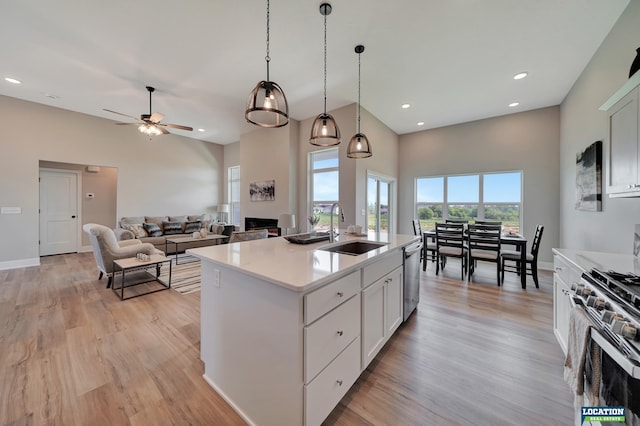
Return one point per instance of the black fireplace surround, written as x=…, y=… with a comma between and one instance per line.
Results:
x=251, y=223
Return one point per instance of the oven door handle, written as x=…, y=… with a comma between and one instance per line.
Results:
x=627, y=365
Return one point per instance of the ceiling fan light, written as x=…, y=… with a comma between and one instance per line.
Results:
x=359, y=147
x=267, y=106
x=324, y=131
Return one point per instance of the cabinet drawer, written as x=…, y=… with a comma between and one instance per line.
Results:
x=326, y=390
x=566, y=271
x=328, y=336
x=328, y=297
x=381, y=268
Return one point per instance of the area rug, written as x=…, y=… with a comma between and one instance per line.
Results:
x=185, y=278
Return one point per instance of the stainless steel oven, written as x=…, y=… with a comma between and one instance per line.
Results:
x=612, y=304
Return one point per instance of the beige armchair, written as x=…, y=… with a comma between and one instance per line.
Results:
x=106, y=248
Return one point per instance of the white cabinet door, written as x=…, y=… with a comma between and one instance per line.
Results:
x=394, y=299
x=373, y=320
x=623, y=145
x=382, y=305
x=561, y=310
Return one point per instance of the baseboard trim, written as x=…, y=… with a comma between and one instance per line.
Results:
x=20, y=263
x=545, y=266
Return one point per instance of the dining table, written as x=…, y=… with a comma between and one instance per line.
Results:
x=511, y=239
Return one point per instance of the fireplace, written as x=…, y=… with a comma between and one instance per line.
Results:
x=251, y=223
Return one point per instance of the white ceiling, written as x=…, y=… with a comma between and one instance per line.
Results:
x=452, y=60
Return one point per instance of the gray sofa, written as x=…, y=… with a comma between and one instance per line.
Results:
x=156, y=229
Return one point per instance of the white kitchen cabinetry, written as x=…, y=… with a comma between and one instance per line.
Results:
x=623, y=177
x=286, y=355
x=565, y=274
x=382, y=305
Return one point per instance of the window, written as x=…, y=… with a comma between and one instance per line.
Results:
x=234, y=195
x=484, y=196
x=463, y=194
x=430, y=201
x=324, y=184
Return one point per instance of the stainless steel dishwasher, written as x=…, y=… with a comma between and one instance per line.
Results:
x=411, y=273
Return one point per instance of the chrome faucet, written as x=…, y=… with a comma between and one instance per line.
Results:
x=333, y=206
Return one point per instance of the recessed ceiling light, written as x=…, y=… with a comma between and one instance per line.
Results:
x=514, y=104
x=420, y=123
x=201, y=130
x=520, y=75
x=13, y=80
x=405, y=106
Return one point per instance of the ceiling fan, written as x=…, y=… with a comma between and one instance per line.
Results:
x=151, y=123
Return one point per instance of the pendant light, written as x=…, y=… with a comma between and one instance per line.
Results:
x=359, y=146
x=325, y=131
x=267, y=105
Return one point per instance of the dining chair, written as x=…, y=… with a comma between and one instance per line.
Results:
x=417, y=231
x=457, y=221
x=531, y=266
x=450, y=242
x=484, y=245
x=429, y=248
x=488, y=222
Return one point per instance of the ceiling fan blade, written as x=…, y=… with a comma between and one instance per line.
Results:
x=126, y=124
x=156, y=117
x=177, y=126
x=119, y=113
x=163, y=130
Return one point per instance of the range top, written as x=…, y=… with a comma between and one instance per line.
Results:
x=624, y=286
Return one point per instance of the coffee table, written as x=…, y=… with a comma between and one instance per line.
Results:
x=209, y=240
x=138, y=273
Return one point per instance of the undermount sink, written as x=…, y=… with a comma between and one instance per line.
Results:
x=353, y=248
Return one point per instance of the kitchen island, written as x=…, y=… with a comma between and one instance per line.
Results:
x=287, y=329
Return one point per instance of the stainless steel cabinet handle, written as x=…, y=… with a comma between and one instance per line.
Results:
x=340, y=294
x=339, y=382
x=340, y=332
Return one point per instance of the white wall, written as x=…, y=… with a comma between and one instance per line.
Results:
x=266, y=154
x=170, y=174
x=527, y=141
x=581, y=124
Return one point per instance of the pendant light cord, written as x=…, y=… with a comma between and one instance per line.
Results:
x=325, y=64
x=358, y=92
x=267, y=58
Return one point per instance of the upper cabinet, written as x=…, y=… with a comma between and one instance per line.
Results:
x=623, y=171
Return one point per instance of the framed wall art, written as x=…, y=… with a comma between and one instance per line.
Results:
x=589, y=178
x=262, y=191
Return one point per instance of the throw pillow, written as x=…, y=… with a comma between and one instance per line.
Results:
x=171, y=228
x=137, y=229
x=152, y=229
x=156, y=219
x=194, y=226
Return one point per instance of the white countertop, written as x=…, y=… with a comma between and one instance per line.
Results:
x=586, y=260
x=297, y=267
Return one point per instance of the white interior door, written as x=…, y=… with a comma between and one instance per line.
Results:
x=58, y=212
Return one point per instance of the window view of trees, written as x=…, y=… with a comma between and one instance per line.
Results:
x=325, y=186
x=488, y=196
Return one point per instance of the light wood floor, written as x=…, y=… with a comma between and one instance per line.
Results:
x=71, y=353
